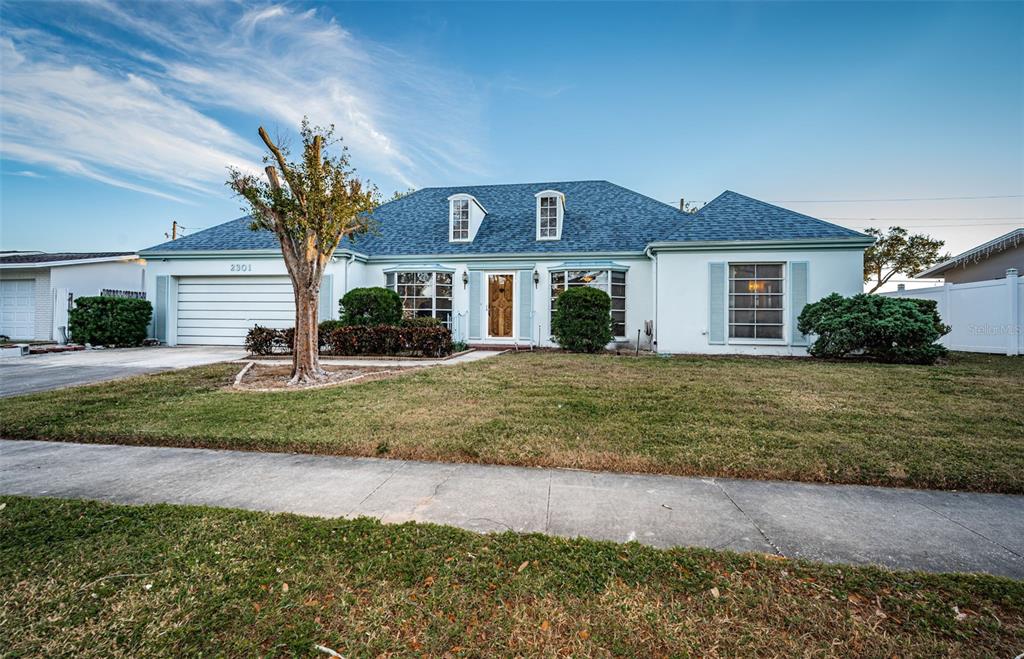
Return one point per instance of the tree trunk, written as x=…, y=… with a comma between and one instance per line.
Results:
x=306, y=353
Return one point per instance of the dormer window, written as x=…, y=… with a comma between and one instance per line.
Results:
x=460, y=219
x=550, y=214
x=465, y=214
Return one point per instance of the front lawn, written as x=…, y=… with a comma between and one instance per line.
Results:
x=957, y=425
x=97, y=580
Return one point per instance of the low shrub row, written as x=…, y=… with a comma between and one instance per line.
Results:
x=414, y=339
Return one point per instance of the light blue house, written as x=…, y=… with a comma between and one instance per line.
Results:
x=488, y=261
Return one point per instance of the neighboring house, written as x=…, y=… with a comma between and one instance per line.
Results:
x=488, y=261
x=36, y=287
x=990, y=260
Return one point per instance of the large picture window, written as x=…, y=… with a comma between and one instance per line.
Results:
x=612, y=282
x=755, y=300
x=424, y=294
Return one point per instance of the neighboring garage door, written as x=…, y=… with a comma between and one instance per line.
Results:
x=221, y=310
x=18, y=308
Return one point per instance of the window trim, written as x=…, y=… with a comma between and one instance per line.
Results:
x=559, y=213
x=610, y=271
x=782, y=310
x=394, y=274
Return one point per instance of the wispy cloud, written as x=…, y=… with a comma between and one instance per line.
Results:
x=148, y=113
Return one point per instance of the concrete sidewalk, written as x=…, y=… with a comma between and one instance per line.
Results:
x=911, y=529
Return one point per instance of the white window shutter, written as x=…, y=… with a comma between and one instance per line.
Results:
x=160, y=308
x=326, y=297
x=798, y=271
x=716, y=303
x=476, y=284
x=525, y=304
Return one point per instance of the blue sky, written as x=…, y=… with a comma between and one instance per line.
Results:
x=119, y=118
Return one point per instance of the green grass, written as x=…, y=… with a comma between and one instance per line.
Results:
x=90, y=579
x=957, y=425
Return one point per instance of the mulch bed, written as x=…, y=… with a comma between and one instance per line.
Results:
x=327, y=356
x=267, y=377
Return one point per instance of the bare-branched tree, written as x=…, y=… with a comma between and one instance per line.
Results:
x=311, y=205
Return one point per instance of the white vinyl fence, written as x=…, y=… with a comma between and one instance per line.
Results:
x=986, y=316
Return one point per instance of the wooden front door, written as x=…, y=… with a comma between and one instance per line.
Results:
x=499, y=306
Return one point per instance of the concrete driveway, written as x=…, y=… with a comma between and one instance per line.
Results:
x=23, y=375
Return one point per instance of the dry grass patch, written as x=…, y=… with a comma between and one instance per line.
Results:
x=952, y=426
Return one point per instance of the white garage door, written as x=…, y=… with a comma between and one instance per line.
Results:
x=221, y=310
x=18, y=308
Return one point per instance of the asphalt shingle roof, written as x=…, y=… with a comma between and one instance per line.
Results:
x=732, y=216
x=42, y=257
x=599, y=217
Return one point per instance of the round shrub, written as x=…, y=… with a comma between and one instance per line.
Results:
x=371, y=306
x=889, y=329
x=582, y=320
x=109, y=321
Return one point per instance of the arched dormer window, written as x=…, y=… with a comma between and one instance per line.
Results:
x=465, y=214
x=550, y=214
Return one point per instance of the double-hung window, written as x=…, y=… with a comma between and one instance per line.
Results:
x=424, y=294
x=756, y=294
x=460, y=219
x=612, y=282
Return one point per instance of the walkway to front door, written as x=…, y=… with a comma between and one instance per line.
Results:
x=499, y=305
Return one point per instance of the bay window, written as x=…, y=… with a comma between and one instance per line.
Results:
x=424, y=294
x=756, y=294
x=612, y=282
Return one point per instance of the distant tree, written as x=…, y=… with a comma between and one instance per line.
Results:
x=690, y=207
x=897, y=251
x=311, y=205
x=399, y=194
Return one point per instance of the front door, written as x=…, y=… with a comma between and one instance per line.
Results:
x=499, y=306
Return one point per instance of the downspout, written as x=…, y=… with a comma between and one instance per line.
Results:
x=654, y=288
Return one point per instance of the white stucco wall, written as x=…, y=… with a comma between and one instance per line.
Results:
x=639, y=301
x=347, y=275
x=87, y=279
x=682, y=294
x=54, y=283
x=681, y=317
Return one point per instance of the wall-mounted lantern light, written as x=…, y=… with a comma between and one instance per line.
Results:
x=465, y=278
x=536, y=278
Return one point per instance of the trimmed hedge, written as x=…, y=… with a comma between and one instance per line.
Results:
x=890, y=329
x=429, y=341
x=109, y=321
x=347, y=340
x=371, y=306
x=582, y=321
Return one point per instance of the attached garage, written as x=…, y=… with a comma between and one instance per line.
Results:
x=221, y=310
x=18, y=308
